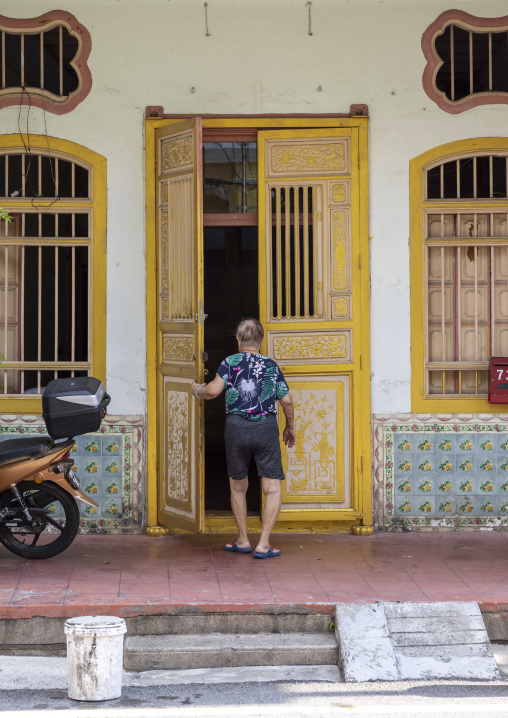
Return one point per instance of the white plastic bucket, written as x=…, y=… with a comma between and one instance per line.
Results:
x=95, y=657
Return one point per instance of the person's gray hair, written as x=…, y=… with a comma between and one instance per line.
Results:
x=249, y=332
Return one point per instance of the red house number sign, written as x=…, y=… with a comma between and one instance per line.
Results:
x=498, y=387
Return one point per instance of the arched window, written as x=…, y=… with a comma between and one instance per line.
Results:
x=459, y=271
x=52, y=266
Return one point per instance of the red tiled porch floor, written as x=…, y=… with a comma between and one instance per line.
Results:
x=136, y=575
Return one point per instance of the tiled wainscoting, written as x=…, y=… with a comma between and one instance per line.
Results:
x=109, y=465
x=441, y=471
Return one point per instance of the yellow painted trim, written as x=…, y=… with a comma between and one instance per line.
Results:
x=417, y=166
x=361, y=487
x=98, y=274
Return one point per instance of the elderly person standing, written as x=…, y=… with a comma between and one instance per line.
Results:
x=254, y=383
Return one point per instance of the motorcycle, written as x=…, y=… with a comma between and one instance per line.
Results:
x=39, y=514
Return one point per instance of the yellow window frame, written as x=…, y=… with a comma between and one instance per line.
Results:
x=420, y=402
x=97, y=204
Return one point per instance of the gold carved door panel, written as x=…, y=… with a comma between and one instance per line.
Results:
x=180, y=324
x=309, y=306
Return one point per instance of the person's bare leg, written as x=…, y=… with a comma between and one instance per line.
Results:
x=239, y=508
x=273, y=494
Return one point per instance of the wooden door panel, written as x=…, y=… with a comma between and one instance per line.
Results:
x=309, y=303
x=180, y=324
x=317, y=467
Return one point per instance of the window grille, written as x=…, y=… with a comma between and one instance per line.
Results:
x=293, y=253
x=45, y=271
x=467, y=273
x=467, y=61
x=43, y=61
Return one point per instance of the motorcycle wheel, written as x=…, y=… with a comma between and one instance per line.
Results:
x=62, y=529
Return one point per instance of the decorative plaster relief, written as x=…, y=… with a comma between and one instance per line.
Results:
x=340, y=239
x=177, y=153
x=338, y=192
x=312, y=157
x=178, y=348
x=341, y=307
x=164, y=250
x=316, y=346
x=177, y=473
x=315, y=466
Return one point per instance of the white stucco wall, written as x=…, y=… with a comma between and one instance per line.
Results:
x=259, y=59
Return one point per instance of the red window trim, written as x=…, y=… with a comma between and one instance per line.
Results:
x=12, y=96
x=434, y=62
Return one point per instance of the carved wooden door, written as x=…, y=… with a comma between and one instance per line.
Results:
x=180, y=324
x=309, y=305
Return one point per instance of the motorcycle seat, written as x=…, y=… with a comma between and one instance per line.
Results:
x=23, y=448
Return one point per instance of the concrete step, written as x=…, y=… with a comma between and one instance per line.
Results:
x=392, y=641
x=220, y=650
x=44, y=636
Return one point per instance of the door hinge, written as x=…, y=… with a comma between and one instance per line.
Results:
x=155, y=264
x=361, y=362
x=156, y=361
x=361, y=464
x=360, y=261
x=358, y=160
x=156, y=466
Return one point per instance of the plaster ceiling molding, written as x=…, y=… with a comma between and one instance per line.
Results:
x=455, y=83
x=40, y=42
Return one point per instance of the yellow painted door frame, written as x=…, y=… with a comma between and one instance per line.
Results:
x=358, y=370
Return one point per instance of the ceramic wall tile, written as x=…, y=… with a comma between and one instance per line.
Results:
x=109, y=464
x=440, y=472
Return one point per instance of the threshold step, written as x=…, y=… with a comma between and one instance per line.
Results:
x=221, y=650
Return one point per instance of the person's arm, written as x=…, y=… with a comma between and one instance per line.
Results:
x=208, y=391
x=289, y=434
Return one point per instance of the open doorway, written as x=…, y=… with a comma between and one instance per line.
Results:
x=230, y=292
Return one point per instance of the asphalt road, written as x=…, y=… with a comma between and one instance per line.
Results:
x=250, y=700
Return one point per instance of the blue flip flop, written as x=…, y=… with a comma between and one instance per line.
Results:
x=271, y=552
x=235, y=548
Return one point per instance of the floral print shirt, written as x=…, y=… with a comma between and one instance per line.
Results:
x=253, y=385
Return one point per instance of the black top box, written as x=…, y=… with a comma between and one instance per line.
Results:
x=74, y=406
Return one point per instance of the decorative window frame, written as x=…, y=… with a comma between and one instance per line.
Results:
x=97, y=206
x=420, y=401
x=434, y=62
x=58, y=105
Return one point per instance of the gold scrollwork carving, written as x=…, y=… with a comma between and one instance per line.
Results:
x=164, y=250
x=308, y=158
x=164, y=193
x=177, y=447
x=324, y=346
x=340, y=307
x=313, y=467
x=176, y=153
x=338, y=193
x=339, y=233
x=178, y=349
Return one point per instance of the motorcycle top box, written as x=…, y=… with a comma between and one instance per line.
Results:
x=74, y=406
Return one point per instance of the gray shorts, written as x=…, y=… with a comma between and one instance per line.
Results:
x=245, y=438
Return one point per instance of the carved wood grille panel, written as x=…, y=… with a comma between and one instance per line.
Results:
x=296, y=251
x=176, y=248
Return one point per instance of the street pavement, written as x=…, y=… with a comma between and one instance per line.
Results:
x=37, y=689
x=250, y=700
